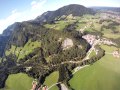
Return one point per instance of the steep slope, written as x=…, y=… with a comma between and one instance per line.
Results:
x=11, y=28
x=4, y=38
x=3, y=42
x=38, y=51
x=74, y=9
x=51, y=41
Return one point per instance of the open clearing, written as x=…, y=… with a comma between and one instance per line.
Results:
x=52, y=79
x=18, y=81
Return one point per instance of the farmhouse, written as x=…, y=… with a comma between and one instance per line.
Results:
x=116, y=54
x=107, y=41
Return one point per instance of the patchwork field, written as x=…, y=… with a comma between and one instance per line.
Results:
x=93, y=53
x=109, y=49
x=59, y=25
x=22, y=51
x=96, y=25
x=18, y=81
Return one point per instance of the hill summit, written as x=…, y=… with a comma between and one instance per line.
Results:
x=74, y=9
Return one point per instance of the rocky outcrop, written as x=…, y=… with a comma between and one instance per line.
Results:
x=67, y=43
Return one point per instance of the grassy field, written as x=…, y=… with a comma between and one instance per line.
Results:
x=110, y=35
x=97, y=26
x=59, y=25
x=28, y=48
x=102, y=75
x=81, y=25
x=109, y=49
x=52, y=79
x=93, y=53
x=18, y=81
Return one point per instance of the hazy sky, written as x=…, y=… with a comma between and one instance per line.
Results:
x=21, y=10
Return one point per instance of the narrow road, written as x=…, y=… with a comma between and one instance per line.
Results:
x=79, y=68
x=108, y=53
x=63, y=87
x=88, y=53
x=88, y=25
x=53, y=85
x=85, y=58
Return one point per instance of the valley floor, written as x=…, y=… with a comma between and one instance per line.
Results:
x=102, y=75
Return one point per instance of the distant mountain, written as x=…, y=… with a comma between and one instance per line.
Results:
x=115, y=9
x=8, y=33
x=74, y=9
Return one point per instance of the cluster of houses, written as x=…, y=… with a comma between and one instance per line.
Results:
x=110, y=14
x=116, y=54
x=89, y=38
x=92, y=38
x=107, y=41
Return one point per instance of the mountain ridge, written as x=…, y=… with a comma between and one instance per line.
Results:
x=74, y=9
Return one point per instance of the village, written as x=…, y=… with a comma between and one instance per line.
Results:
x=92, y=38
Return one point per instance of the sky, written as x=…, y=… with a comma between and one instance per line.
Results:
x=22, y=10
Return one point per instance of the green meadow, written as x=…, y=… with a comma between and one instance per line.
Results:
x=102, y=75
x=22, y=51
x=59, y=25
x=52, y=79
x=18, y=81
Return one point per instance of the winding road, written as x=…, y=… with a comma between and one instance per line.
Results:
x=63, y=87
